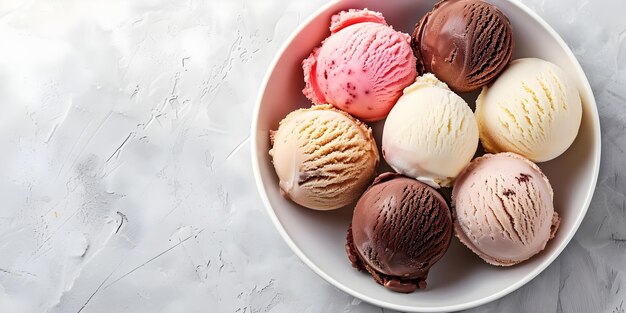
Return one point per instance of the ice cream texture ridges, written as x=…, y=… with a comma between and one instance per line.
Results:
x=503, y=208
x=466, y=43
x=532, y=109
x=400, y=229
x=362, y=67
x=324, y=158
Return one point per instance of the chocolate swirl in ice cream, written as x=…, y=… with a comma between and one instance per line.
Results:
x=503, y=208
x=323, y=157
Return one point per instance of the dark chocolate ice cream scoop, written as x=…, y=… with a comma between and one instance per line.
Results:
x=465, y=43
x=400, y=228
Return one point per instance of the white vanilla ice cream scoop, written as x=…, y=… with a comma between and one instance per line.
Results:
x=430, y=134
x=532, y=109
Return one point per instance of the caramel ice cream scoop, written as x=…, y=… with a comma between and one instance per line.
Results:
x=324, y=158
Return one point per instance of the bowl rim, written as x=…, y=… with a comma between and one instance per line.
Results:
x=457, y=307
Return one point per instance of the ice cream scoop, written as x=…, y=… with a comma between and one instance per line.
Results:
x=400, y=229
x=362, y=67
x=465, y=43
x=430, y=134
x=503, y=208
x=532, y=109
x=324, y=158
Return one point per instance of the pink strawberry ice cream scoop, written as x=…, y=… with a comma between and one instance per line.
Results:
x=503, y=208
x=362, y=67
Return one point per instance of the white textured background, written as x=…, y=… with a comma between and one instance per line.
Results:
x=125, y=180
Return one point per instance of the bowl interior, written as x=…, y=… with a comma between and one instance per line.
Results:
x=460, y=280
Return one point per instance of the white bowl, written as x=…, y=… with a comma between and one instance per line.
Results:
x=460, y=280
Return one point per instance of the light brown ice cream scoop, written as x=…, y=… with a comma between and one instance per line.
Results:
x=324, y=158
